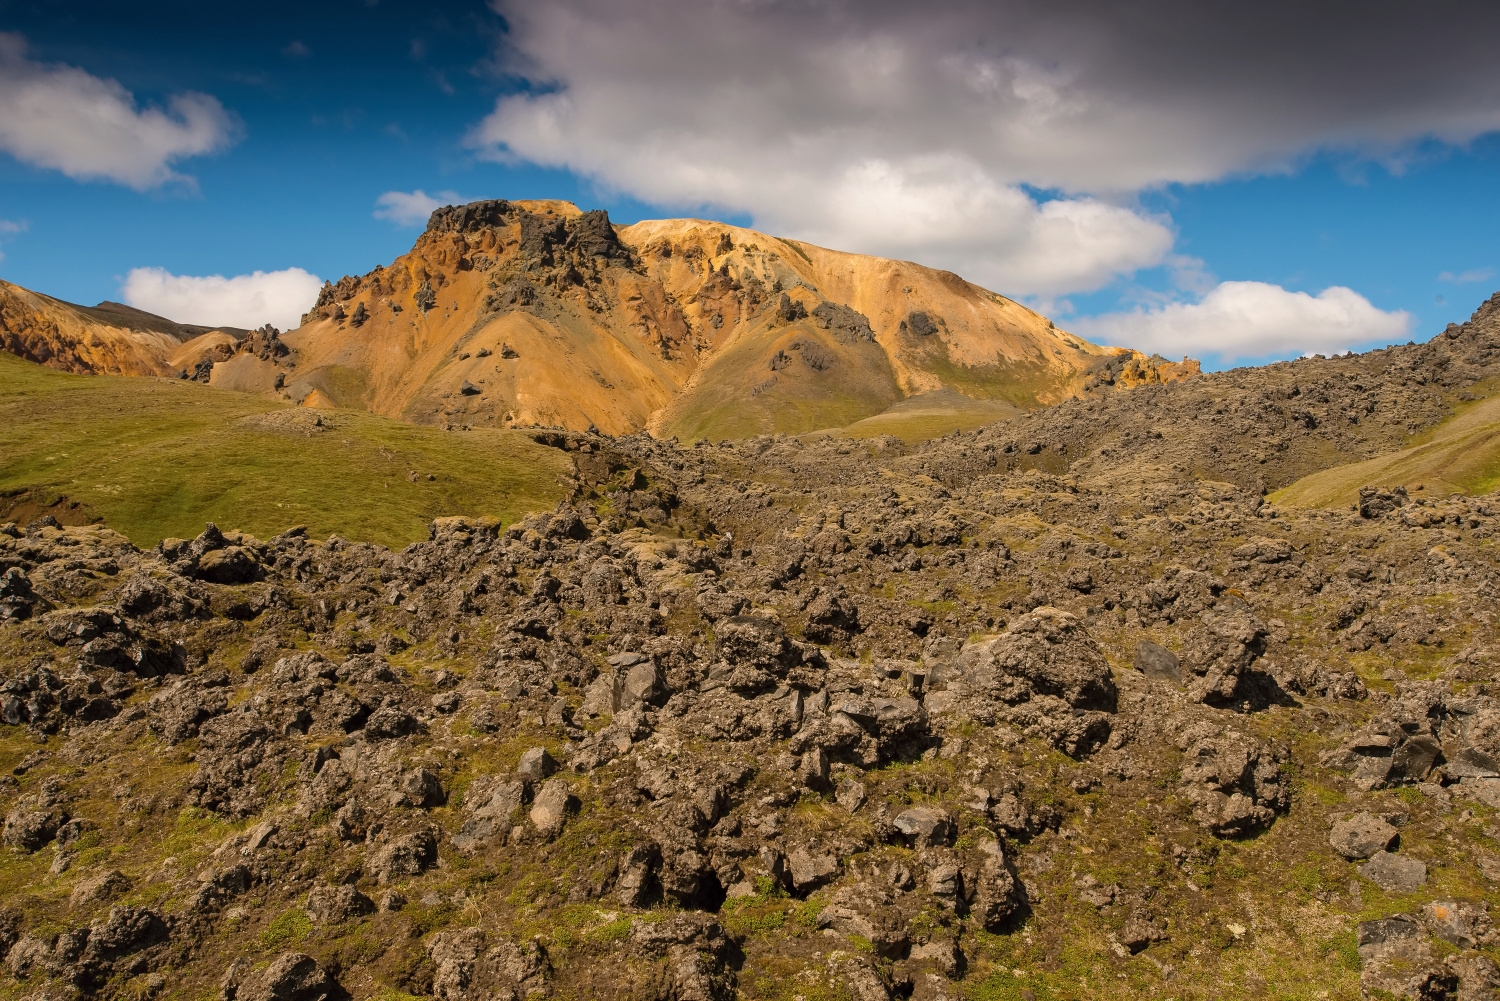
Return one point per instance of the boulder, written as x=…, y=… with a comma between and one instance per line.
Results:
x=420, y=788
x=410, y=855
x=230, y=565
x=99, y=888
x=552, y=805
x=332, y=904
x=1220, y=651
x=1234, y=783
x=995, y=894
x=1398, y=961
x=17, y=599
x=536, y=765
x=924, y=826
x=643, y=683
x=491, y=805
x=1045, y=674
x=291, y=976
x=1458, y=922
x=809, y=870
x=1395, y=873
x=1157, y=663
x=1045, y=652
x=1402, y=744
x=30, y=828
x=1361, y=836
x=850, y=794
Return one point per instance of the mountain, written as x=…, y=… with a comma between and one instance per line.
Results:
x=536, y=313
x=110, y=338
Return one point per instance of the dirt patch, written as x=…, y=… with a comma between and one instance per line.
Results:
x=25, y=506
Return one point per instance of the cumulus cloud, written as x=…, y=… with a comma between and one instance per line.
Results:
x=1240, y=321
x=63, y=118
x=925, y=130
x=411, y=208
x=275, y=297
x=943, y=209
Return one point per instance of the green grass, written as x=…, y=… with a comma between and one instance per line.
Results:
x=158, y=458
x=1461, y=455
x=289, y=928
x=932, y=415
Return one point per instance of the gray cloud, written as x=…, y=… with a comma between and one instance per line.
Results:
x=915, y=130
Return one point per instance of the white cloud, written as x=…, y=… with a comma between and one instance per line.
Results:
x=62, y=118
x=1466, y=277
x=944, y=210
x=1240, y=321
x=275, y=297
x=924, y=130
x=411, y=208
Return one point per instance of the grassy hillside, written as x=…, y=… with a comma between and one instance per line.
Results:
x=1461, y=455
x=160, y=458
x=815, y=383
x=932, y=415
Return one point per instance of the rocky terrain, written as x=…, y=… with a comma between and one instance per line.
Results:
x=1061, y=708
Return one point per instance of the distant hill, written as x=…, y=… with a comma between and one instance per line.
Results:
x=110, y=338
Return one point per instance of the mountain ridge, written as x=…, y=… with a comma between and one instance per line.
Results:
x=110, y=338
x=538, y=313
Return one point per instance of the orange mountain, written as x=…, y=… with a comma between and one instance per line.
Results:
x=110, y=338
x=535, y=313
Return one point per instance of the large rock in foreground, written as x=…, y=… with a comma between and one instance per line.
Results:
x=1045, y=675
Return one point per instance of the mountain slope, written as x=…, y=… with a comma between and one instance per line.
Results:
x=110, y=338
x=535, y=313
x=158, y=458
x=1461, y=455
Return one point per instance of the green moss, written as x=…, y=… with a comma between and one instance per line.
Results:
x=289, y=928
x=613, y=931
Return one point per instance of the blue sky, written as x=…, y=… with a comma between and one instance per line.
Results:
x=1152, y=211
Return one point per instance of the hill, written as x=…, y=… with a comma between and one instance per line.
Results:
x=535, y=313
x=155, y=458
x=1461, y=455
x=110, y=338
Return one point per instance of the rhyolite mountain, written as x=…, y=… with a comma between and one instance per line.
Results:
x=535, y=313
x=108, y=339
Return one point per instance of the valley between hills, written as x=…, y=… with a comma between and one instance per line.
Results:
x=674, y=612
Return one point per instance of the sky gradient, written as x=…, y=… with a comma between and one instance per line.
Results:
x=1186, y=181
